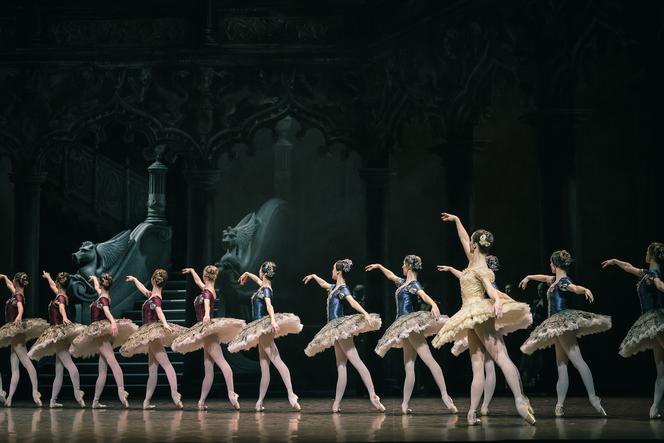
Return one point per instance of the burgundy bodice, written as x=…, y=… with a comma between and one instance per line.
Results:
x=199, y=304
x=11, y=306
x=97, y=309
x=149, y=309
x=54, y=316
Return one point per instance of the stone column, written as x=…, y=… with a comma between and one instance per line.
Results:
x=27, y=218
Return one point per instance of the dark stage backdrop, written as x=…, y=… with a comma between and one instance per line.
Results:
x=539, y=121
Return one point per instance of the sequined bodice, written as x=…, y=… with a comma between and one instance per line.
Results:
x=335, y=298
x=649, y=297
x=472, y=288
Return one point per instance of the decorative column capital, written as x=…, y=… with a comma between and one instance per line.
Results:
x=557, y=117
x=204, y=179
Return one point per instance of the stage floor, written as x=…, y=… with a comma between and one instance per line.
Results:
x=358, y=422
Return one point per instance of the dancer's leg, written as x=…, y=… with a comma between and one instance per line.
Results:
x=477, y=358
x=208, y=366
x=162, y=358
x=349, y=349
x=265, y=377
x=22, y=354
x=106, y=351
x=65, y=358
x=217, y=355
x=150, y=386
x=419, y=343
x=101, y=382
x=342, y=375
x=57, y=382
x=489, y=384
x=271, y=350
x=571, y=346
x=658, y=354
x=16, y=375
x=409, y=356
x=562, y=384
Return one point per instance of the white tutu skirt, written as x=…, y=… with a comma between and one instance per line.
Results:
x=139, y=341
x=422, y=322
x=339, y=329
x=222, y=330
x=516, y=315
x=87, y=344
x=30, y=328
x=249, y=335
x=642, y=335
x=54, y=339
x=568, y=320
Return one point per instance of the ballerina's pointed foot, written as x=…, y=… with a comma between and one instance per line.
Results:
x=123, y=397
x=654, y=413
x=259, y=406
x=524, y=411
x=202, y=406
x=405, y=410
x=559, y=411
x=293, y=402
x=472, y=418
x=597, y=404
x=147, y=405
x=336, y=409
x=80, y=400
x=54, y=404
x=232, y=397
x=36, y=397
x=3, y=396
x=375, y=400
x=484, y=410
x=177, y=399
x=97, y=405
x=449, y=403
x=528, y=406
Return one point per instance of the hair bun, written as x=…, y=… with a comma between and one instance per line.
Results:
x=210, y=272
x=63, y=279
x=22, y=279
x=493, y=263
x=160, y=277
x=414, y=261
x=105, y=280
x=562, y=259
x=344, y=265
x=269, y=268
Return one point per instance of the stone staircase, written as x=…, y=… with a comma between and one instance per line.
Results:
x=135, y=369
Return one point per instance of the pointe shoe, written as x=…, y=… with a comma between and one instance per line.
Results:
x=36, y=397
x=97, y=405
x=123, y=397
x=54, y=404
x=292, y=399
x=8, y=403
x=449, y=403
x=375, y=400
x=202, y=406
x=80, y=400
x=177, y=399
x=559, y=411
x=484, y=410
x=654, y=413
x=336, y=410
x=405, y=410
x=147, y=405
x=597, y=404
x=472, y=418
x=528, y=406
x=3, y=396
x=259, y=406
x=232, y=397
x=523, y=410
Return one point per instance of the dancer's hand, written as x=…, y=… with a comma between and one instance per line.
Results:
x=114, y=329
x=46, y=275
x=168, y=327
x=589, y=295
x=447, y=217
x=275, y=327
x=130, y=278
x=18, y=321
x=498, y=307
x=372, y=266
x=435, y=311
x=308, y=278
x=370, y=320
x=187, y=270
x=609, y=262
x=206, y=318
x=66, y=321
x=443, y=268
x=243, y=278
x=523, y=283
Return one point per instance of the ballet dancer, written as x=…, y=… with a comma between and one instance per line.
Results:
x=485, y=321
x=101, y=336
x=16, y=332
x=208, y=333
x=340, y=329
x=153, y=336
x=261, y=332
x=411, y=327
x=563, y=326
x=647, y=332
x=57, y=339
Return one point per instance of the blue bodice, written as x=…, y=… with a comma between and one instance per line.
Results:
x=335, y=299
x=258, y=306
x=557, y=295
x=649, y=297
x=406, y=297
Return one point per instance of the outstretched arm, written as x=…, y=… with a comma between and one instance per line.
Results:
x=536, y=277
x=141, y=288
x=50, y=281
x=581, y=290
x=195, y=276
x=9, y=283
x=428, y=300
x=95, y=282
x=358, y=307
x=389, y=274
x=625, y=266
x=243, y=278
x=455, y=272
x=464, y=238
x=322, y=283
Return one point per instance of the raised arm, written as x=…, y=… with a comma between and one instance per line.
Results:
x=322, y=283
x=194, y=275
x=625, y=266
x=536, y=277
x=248, y=275
x=464, y=238
x=581, y=290
x=9, y=283
x=50, y=281
x=428, y=300
x=389, y=274
x=454, y=271
x=141, y=288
